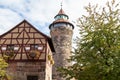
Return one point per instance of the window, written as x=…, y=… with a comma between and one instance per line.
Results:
x=60, y=24
x=27, y=48
x=10, y=51
x=3, y=48
x=10, y=47
x=61, y=17
x=16, y=48
x=32, y=77
x=40, y=47
x=34, y=46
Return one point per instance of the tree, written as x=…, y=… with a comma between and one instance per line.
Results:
x=97, y=56
x=3, y=66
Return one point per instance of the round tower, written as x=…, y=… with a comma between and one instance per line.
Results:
x=61, y=31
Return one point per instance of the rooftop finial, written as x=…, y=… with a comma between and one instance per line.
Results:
x=61, y=3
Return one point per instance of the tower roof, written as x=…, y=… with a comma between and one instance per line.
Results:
x=61, y=17
x=61, y=11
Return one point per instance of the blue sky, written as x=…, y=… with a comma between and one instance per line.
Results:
x=40, y=13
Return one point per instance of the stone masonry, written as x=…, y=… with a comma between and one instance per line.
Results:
x=20, y=70
x=61, y=31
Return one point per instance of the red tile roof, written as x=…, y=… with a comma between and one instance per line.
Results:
x=61, y=11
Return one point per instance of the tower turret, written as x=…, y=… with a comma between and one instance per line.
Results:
x=61, y=31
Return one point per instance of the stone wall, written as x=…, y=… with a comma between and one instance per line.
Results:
x=62, y=39
x=20, y=70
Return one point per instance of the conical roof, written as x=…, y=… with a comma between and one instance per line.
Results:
x=61, y=11
x=61, y=17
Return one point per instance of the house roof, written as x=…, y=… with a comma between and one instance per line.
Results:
x=47, y=37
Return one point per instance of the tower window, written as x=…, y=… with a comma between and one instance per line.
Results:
x=59, y=24
x=57, y=17
x=61, y=17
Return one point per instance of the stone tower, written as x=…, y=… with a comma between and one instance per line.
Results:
x=61, y=31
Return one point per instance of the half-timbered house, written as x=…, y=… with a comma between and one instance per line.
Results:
x=28, y=52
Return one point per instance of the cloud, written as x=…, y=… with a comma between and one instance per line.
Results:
x=40, y=13
x=7, y=18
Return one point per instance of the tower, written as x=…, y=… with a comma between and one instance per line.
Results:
x=61, y=31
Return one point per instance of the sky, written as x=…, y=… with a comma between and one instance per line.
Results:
x=40, y=13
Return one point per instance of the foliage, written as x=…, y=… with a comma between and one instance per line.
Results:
x=3, y=66
x=50, y=58
x=98, y=47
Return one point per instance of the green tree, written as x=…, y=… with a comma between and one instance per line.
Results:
x=3, y=66
x=97, y=56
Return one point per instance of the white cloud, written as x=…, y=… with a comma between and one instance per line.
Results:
x=7, y=18
x=40, y=12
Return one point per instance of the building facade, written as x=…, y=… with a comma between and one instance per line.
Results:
x=31, y=54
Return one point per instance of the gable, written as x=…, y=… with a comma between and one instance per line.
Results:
x=23, y=36
x=23, y=28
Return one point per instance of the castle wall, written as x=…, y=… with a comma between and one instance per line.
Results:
x=20, y=70
x=62, y=39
